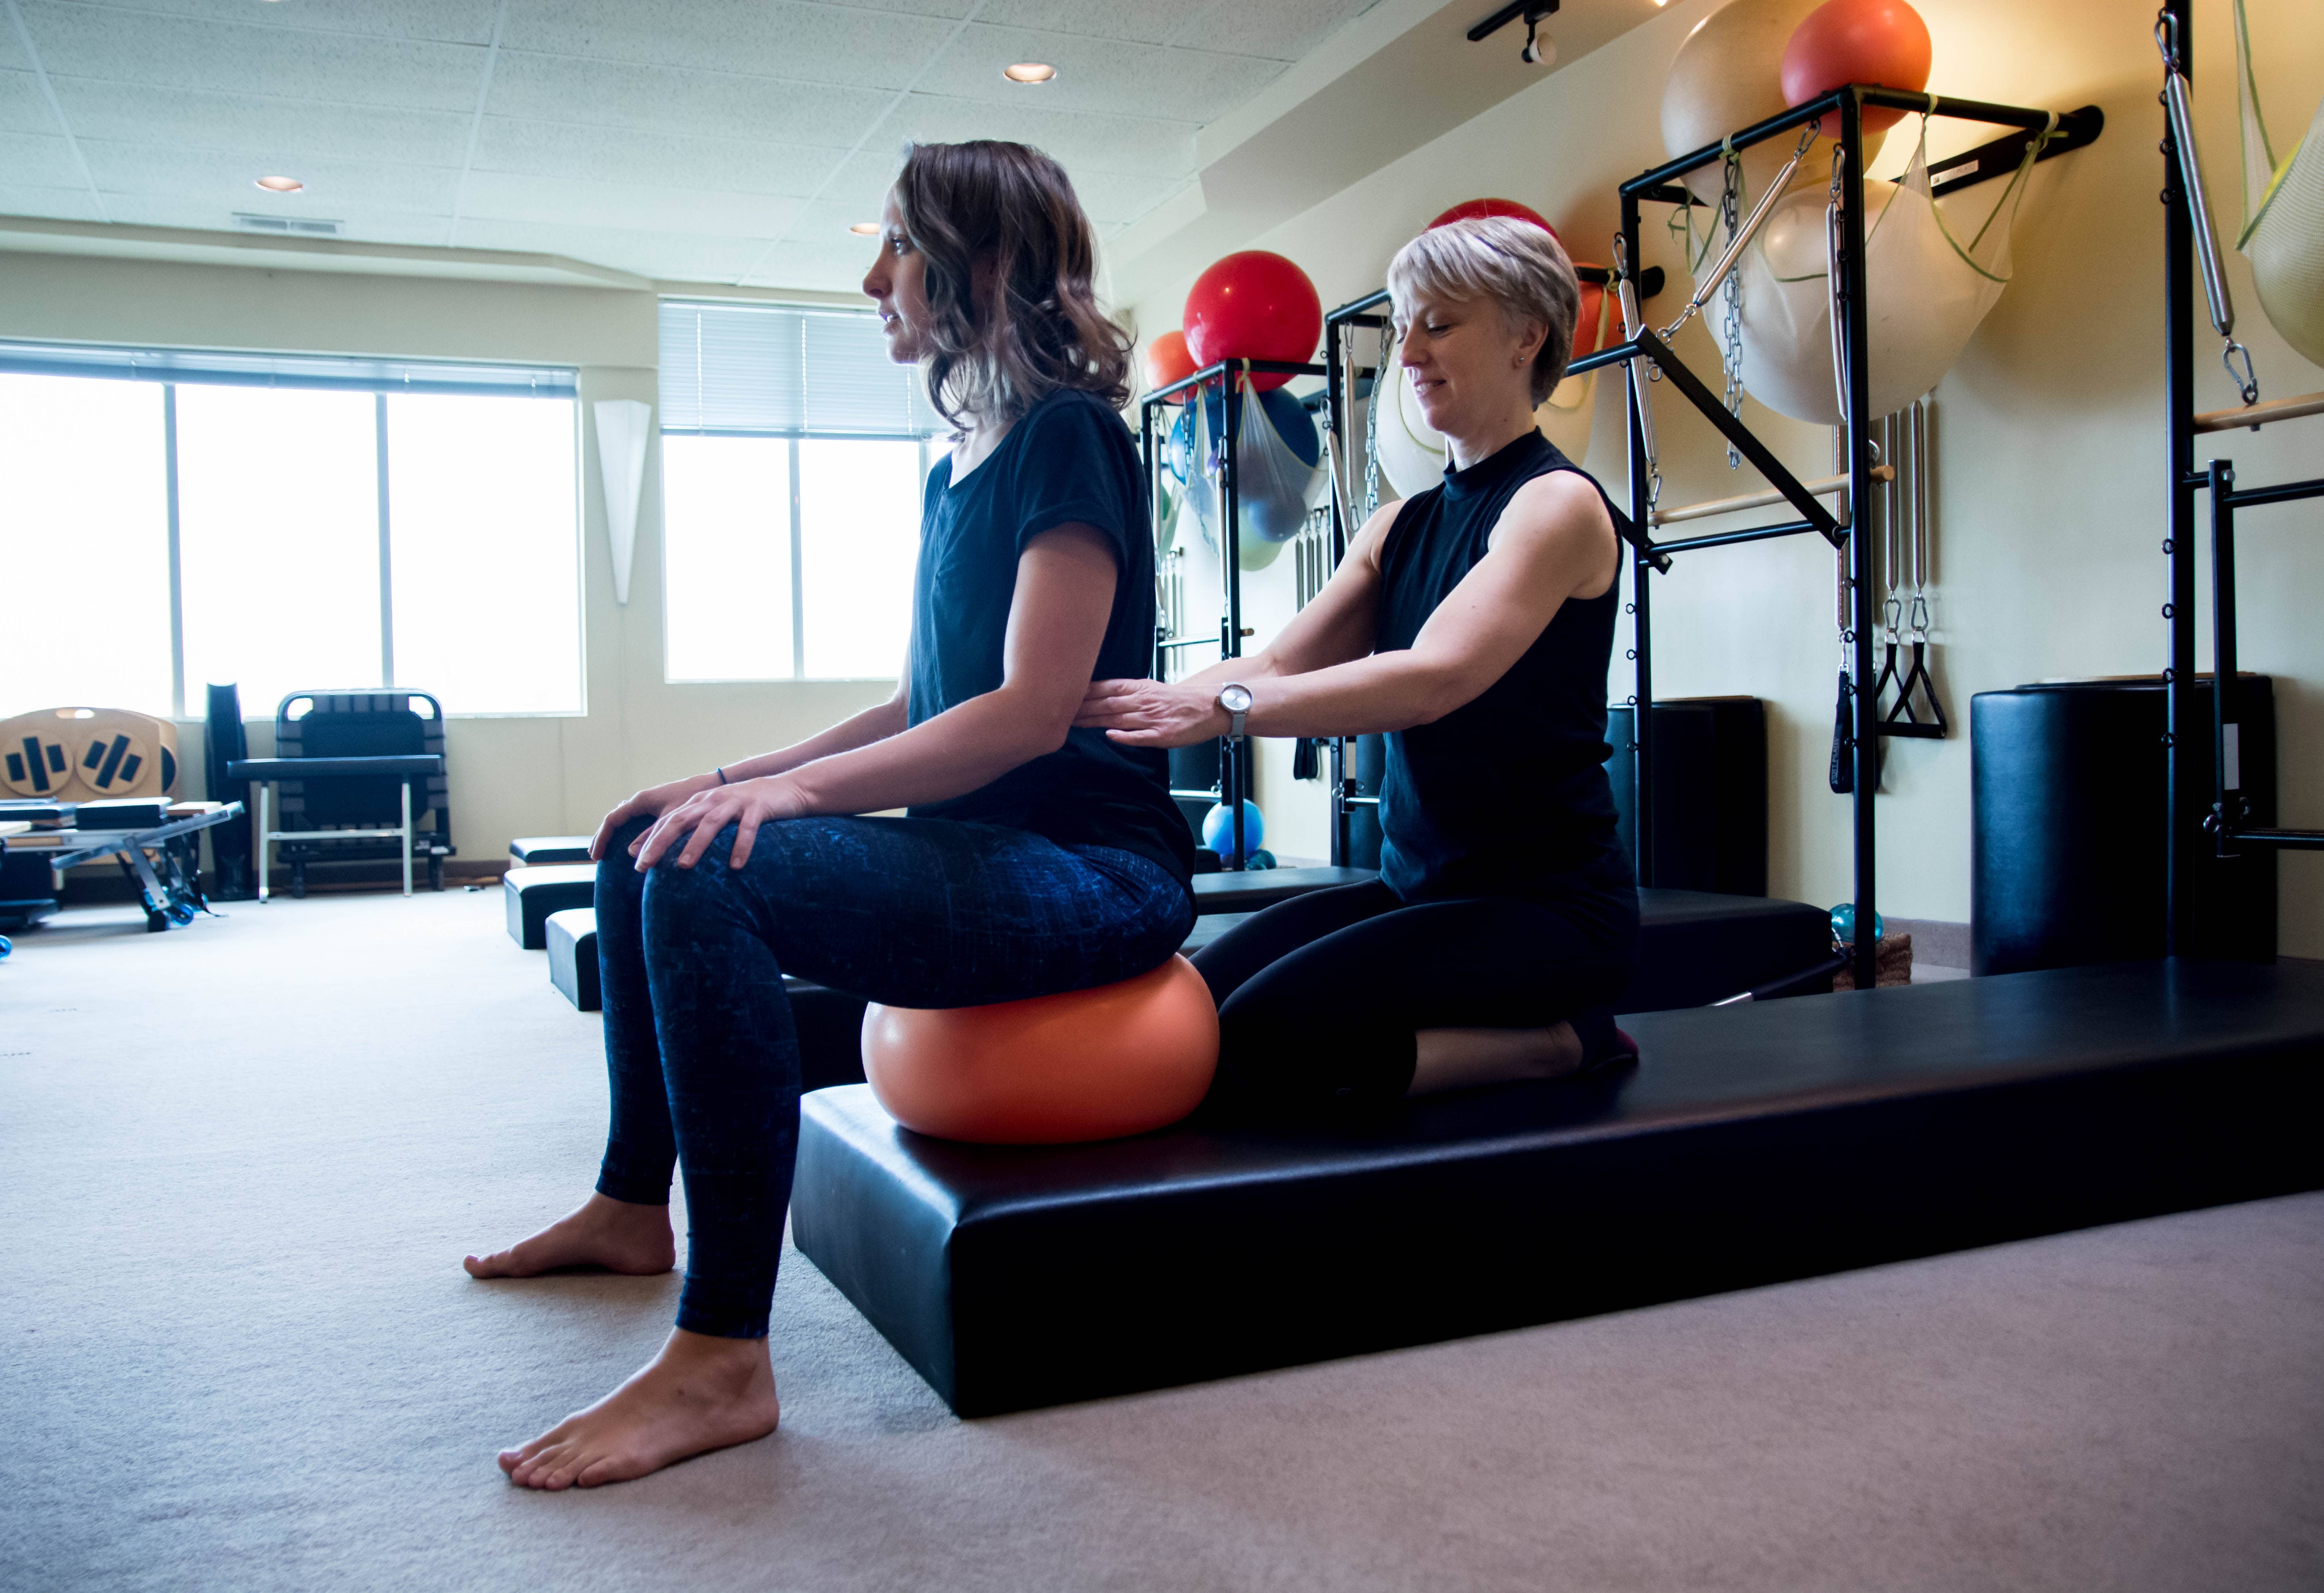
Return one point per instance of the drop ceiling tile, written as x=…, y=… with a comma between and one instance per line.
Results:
x=1281, y=30
x=567, y=201
x=717, y=105
x=23, y=108
x=686, y=256
x=37, y=161
x=11, y=52
x=1106, y=143
x=955, y=9
x=228, y=181
x=1149, y=23
x=55, y=204
x=1099, y=75
x=826, y=223
x=364, y=226
x=293, y=130
x=831, y=268
x=122, y=46
x=1116, y=197
x=770, y=38
x=863, y=179
x=619, y=154
x=459, y=21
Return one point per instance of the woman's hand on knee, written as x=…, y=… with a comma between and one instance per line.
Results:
x=746, y=804
x=649, y=803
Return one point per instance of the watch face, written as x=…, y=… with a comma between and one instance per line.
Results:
x=1235, y=700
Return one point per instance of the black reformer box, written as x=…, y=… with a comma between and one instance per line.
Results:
x=1752, y=1145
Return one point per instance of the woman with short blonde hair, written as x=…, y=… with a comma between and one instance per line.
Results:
x=1473, y=624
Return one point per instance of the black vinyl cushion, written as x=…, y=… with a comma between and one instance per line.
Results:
x=2067, y=821
x=532, y=894
x=550, y=849
x=1711, y=792
x=1696, y=946
x=1752, y=1145
x=570, y=939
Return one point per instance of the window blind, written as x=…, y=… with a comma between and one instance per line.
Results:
x=216, y=367
x=775, y=368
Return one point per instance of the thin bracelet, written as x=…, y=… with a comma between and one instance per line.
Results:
x=722, y=775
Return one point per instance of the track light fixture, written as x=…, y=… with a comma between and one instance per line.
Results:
x=1538, y=51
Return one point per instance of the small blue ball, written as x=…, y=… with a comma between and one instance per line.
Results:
x=1843, y=923
x=1218, y=828
x=1262, y=858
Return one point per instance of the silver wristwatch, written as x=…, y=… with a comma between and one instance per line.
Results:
x=1235, y=697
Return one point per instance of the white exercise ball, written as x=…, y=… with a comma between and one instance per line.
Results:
x=1926, y=301
x=2286, y=247
x=1729, y=75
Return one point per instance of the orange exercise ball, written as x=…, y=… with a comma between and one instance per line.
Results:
x=1086, y=1065
x=1882, y=41
x=1167, y=361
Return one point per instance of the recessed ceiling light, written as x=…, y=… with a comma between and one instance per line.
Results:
x=1029, y=71
x=280, y=184
x=864, y=228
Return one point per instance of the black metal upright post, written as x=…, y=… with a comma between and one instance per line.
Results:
x=1854, y=301
x=2226, y=749
x=2184, y=800
x=1642, y=712
x=1336, y=419
x=1234, y=750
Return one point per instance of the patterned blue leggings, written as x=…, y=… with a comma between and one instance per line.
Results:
x=699, y=1042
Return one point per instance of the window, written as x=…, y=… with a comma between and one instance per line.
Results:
x=85, y=538
x=286, y=522
x=794, y=452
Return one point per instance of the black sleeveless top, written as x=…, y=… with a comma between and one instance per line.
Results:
x=1506, y=795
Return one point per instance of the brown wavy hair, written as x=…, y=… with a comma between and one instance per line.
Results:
x=1009, y=256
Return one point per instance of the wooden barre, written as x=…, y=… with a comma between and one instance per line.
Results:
x=1760, y=500
x=2260, y=414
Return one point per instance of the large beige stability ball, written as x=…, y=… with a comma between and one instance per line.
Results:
x=1925, y=299
x=1728, y=74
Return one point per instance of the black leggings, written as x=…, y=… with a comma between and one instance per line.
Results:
x=1320, y=997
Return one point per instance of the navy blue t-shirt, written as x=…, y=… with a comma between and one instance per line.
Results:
x=1069, y=459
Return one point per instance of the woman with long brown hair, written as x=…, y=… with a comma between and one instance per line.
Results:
x=1036, y=857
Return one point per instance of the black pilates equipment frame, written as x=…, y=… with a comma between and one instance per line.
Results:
x=2223, y=807
x=2000, y=157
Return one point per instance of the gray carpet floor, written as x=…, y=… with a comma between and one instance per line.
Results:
x=239, y=1164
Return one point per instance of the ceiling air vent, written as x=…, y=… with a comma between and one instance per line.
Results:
x=306, y=226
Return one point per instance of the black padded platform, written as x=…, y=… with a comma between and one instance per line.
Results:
x=532, y=893
x=1778, y=1140
x=1695, y=948
x=1248, y=890
x=550, y=849
x=570, y=939
x=394, y=766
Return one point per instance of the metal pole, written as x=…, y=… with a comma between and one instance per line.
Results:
x=406, y=836
x=1233, y=752
x=1853, y=297
x=262, y=789
x=1337, y=417
x=1642, y=715
x=2182, y=800
x=2227, y=738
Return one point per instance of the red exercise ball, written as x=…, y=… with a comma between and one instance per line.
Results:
x=1090, y=1064
x=1508, y=208
x=1882, y=41
x=1254, y=304
x=1167, y=360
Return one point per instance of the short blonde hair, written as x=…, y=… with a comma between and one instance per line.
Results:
x=1513, y=264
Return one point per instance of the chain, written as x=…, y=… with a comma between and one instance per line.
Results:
x=1730, y=214
x=1371, y=425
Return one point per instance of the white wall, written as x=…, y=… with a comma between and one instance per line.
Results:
x=509, y=776
x=2051, y=476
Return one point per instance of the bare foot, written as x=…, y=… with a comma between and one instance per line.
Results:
x=699, y=1393
x=616, y=1235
